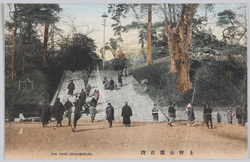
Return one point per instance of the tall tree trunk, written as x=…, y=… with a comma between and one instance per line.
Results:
x=45, y=42
x=179, y=42
x=149, y=46
x=184, y=84
x=174, y=50
x=13, y=70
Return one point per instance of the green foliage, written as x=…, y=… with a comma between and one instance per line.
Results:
x=79, y=53
x=15, y=98
x=115, y=64
x=29, y=17
x=118, y=11
x=209, y=79
x=233, y=28
x=45, y=82
x=113, y=45
x=34, y=14
x=226, y=17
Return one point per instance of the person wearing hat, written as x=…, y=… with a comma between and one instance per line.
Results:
x=126, y=113
x=120, y=78
x=111, y=84
x=229, y=115
x=110, y=114
x=73, y=115
x=92, y=111
x=171, y=113
x=45, y=112
x=71, y=88
x=58, y=110
x=88, y=89
x=68, y=104
x=82, y=99
x=208, y=115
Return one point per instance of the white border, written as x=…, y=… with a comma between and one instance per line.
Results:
x=2, y=87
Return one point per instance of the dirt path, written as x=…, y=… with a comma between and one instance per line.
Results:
x=28, y=140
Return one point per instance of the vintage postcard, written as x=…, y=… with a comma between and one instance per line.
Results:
x=146, y=80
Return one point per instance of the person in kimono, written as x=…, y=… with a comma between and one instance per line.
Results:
x=110, y=114
x=126, y=113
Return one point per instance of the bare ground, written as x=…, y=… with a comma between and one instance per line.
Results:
x=29, y=140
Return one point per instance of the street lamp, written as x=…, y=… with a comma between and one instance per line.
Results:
x=104, y=24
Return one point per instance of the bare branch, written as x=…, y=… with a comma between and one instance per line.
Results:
x=164, y=13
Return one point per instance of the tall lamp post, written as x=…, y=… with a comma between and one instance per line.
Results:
x=104, y=24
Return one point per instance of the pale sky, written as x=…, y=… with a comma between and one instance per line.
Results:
x=87, y=17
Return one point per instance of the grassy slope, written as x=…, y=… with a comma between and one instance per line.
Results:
x=211, y=86
x=45, y=81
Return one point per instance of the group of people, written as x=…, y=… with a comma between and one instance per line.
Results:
x=126, y=114
x=241, y=115
x=127, y=71
x=73, y=113
x=172, y=113
x=109, y=84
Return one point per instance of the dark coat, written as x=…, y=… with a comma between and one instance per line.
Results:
x=45, y=112
x=58, y=110
x=239, y=112
x=79, y=104
x=68, y=105
x=111, y=84
x=110, y=113
x=126, y=113
x=208, y=113
x=190, y=113
x=82, y=98
x=171, y=111
x=86, y=80
x=88, y=88
x=71, y=88
x=119, y=78
x=77, y=113
x=92, y=111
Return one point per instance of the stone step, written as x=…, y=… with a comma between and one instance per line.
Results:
x=139, y=101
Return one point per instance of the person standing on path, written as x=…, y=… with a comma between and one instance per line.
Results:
x=68, y=104
x=86, y=80
x=58, y=110
x=82, y=99
x=105, y=82
x=44, y=110
x=190, y=113
x=73, y=115
x=111, y=84
x=88, y=89
x=110, y=114
x=92, y=111
x=239, y=114
x=71, y=88
x=78, y=103
x=218, y=118
x=120, y=78
x=208, y=115
x=229, y=116
x=155, y=113
x=126, y=113
x=96, y=95
x=171, y=113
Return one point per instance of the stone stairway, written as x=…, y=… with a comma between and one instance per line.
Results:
x=131, y=92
